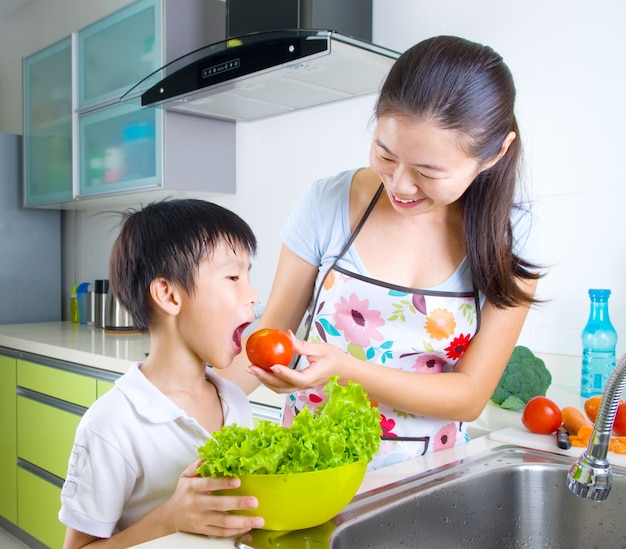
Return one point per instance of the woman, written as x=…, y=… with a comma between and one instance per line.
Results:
x=412, y=269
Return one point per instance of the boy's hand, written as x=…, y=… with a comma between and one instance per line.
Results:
x=195, y=508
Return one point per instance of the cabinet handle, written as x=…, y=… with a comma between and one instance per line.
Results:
x=51, y=401
x=39, y=472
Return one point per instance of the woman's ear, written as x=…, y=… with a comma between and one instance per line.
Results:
x=165, y=296
x=510, y=137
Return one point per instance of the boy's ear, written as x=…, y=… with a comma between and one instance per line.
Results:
x=165, y=296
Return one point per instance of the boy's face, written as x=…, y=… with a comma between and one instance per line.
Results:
x=221, y=307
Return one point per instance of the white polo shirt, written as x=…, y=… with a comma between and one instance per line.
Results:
x=130, y=448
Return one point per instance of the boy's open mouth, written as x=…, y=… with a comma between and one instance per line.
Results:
x=237, y=334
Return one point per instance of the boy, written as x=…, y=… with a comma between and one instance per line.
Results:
x=181, y=269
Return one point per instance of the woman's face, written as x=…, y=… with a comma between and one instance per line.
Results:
x=423, y=167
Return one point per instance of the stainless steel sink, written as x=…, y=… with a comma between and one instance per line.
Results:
x=508, y=497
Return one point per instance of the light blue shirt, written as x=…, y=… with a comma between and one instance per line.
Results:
x=319, y=227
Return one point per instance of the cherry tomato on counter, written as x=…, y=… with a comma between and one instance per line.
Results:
x=541, y=416
x=592, y=405
x=268, y=347
x=619, y=425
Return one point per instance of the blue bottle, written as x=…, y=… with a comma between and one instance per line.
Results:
x=599, y=338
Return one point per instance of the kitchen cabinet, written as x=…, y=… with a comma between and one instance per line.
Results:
x=38, y=506
x=118, y=144
x=103, y=386
x=60, y=384
x=48, y=125
x=125, y=150
x=116, y=52
x=115, y=152
x=42, y=403
x=8, y=439
x=45, y=434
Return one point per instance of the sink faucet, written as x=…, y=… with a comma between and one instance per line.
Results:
x=590, y=476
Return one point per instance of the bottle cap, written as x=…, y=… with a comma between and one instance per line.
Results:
x=102, y=286
x=599, y=293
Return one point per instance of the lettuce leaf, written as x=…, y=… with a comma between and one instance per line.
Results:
x=345, y=428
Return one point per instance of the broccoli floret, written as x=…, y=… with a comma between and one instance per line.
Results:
x=525, y=377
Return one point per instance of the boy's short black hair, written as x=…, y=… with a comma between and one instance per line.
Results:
x=169, y=239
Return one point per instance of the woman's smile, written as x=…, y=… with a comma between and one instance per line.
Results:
x=405, y=202
x=424, y=167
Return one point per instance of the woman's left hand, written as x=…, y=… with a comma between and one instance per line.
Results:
x=325, y=360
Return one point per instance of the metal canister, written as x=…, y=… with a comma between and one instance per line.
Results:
x=117, y=318
x=100, y=299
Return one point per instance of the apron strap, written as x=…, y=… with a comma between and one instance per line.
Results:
x=353, y=236
x=359, y=225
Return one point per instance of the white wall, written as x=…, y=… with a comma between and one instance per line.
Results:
x=566, y=57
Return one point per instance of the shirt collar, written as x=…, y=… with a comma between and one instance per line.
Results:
x=151, y=403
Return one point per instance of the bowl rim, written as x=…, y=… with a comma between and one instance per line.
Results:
x=302, y=473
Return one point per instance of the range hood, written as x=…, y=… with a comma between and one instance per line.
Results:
x=264, y=74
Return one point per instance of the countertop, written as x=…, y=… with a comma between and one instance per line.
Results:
x=76, y=343
x=93, y=347
x=114, y=352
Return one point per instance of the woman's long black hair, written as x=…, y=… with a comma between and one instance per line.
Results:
x=467, y=87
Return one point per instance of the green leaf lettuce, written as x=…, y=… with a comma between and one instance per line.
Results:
x=345, y=428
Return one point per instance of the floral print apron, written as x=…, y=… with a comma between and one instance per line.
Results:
x=403, y=328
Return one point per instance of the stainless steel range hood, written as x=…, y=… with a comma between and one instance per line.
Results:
x=267, y=73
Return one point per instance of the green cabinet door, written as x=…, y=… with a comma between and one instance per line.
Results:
x=45, y=435
x=38, y=505
x=57, y=383
x=8, y=439
x=104, y=386
x=40, y=408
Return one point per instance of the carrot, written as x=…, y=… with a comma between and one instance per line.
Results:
x=618, y=445
x=576, y=423
x=580, y=430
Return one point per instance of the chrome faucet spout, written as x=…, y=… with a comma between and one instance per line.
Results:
x=590, y=476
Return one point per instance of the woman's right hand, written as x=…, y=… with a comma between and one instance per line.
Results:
x=324, y=360
x=197, y=506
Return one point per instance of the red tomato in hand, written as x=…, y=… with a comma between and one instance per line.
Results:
x=268, y=347
x=541, y=416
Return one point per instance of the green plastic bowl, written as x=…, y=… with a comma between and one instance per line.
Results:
x=300, y=500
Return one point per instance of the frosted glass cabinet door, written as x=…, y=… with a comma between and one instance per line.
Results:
x=48, y=125
x=120, y=149
x=118, y=51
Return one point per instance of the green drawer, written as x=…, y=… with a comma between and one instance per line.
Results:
x=76, y=388
x=38, y=504
x=8, y=437
x=104, y=386
x=45, y=435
